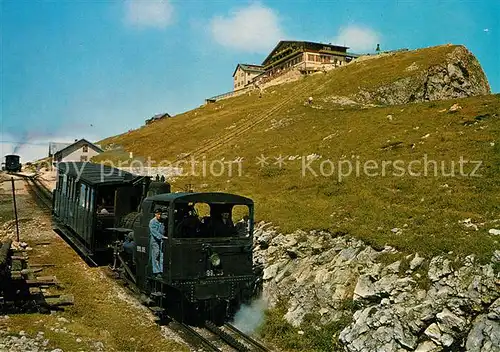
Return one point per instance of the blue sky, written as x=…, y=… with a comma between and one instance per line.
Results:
x=90, y=69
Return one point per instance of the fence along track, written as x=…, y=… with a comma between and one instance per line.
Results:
x=249, y=124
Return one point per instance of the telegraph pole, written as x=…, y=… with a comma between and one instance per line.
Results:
x=15, y=206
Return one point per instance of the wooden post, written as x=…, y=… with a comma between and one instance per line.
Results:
x=15, y=206
x=4, y=253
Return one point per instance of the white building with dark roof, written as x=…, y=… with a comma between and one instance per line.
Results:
x=54, y=147
x=244, y=73
x=80, y=150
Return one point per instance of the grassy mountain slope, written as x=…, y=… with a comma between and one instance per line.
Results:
x=413, y=213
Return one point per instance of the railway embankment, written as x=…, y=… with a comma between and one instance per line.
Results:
x=333, y=292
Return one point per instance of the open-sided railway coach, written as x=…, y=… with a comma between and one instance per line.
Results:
x=207, y=270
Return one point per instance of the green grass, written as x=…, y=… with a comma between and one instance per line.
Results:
x=97, y=314
x=427, y=208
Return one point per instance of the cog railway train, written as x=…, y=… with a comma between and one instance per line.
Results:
x=12, y=163
x=208, y=270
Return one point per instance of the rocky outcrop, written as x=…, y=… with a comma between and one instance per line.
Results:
x=459, y=76
x=411, y=304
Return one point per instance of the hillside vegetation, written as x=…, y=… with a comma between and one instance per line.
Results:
x=442, y=209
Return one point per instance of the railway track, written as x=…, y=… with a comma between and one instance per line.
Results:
x=214, y=338
x=42, y=194
x=235, y=338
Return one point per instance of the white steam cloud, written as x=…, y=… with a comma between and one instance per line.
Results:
x=250, y=317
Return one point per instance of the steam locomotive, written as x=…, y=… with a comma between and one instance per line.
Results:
x=208, y=270
x=12, y=163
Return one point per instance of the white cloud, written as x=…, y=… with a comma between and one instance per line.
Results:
x=149, y=13
x=254, y=28
x=358, y=38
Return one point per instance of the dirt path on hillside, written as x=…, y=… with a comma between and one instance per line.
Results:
x=104, y=317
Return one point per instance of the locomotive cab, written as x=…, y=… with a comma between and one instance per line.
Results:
x=207, y=250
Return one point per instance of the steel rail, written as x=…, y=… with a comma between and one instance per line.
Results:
x=230, y=340
x=200, y=337
x=247, y=338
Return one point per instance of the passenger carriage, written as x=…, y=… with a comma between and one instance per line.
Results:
x=90, y=199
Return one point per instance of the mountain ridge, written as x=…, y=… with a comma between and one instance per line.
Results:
x=431, y=210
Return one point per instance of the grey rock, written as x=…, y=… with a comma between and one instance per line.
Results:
x=495, y=232
x=428, y=346
x=461, y=76
x=495, y=258
x=404, y=336
x=449, y=322
x=439, y=267
x=392, y=268
x=416, y=262
x=394, y=314
x=484, y=335
x=365, y=288
x=433, y=332
x=271, y=271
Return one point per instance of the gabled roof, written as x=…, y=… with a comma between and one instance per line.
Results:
x=249, y=68
x=157, y=117
x=54, y=147
x=77, y=144
x=302, y=44
x=160, y=116
x=95, y=174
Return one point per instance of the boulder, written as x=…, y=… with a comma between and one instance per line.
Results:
x=428, y=346
x=484, y=335
x=458, y=307
x=416, y=262
x=438, y=267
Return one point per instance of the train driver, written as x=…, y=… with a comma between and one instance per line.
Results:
x=156, y=234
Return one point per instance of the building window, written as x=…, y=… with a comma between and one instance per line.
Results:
x=85, y=148
x=83, y=158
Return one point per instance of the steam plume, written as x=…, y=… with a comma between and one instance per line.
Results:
x=249, y=317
